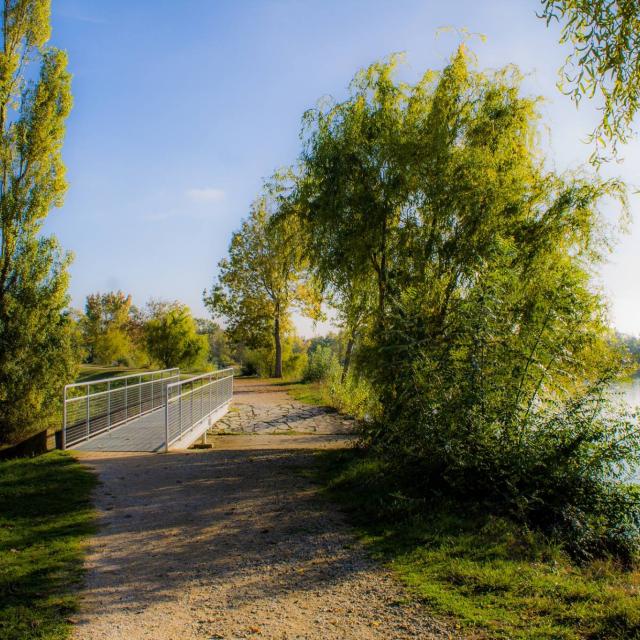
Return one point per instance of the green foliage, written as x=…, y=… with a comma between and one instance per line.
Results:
x=294, y=362
x=220, y=347
x=352, y=395
x=320, y=362
x=492, y=577
x=261, y=281
x=486, y=346
x=37, y=337
x=171, y=336
x=45, y=517
x=257, y=362
x=605, y=61
x=333, y=341
x=260, y=361
x=106, y=328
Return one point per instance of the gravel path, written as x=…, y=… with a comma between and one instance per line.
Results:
x=232, y=542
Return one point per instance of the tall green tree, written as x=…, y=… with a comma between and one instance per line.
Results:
x=489, y=349
x=263, y=279
x=172, y=337
x=604, y=62
x=106, y=328
x=37, y=354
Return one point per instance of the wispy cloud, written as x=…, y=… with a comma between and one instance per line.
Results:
x=206, y=194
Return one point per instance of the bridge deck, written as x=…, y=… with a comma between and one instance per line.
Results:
x=146, y=433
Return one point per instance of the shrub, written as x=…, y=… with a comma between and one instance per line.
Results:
x=320, y=363
x=257, y=362
x=354, y=396
x=294, y=365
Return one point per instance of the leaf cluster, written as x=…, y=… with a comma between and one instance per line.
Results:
x=604, y=61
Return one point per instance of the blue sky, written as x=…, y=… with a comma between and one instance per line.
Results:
x=181, y=108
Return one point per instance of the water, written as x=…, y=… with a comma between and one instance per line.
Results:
x=631, y=393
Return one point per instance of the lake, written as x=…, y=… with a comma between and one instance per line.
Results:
x=631, y=392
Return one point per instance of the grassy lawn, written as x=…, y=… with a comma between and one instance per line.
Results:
x=45, y=516
x=308, y=392
x=91, y=372
x=483, y=573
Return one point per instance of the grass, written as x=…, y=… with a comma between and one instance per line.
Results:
x=307, y=392
x=92, y=372
x=482, y=573
x=45, y=516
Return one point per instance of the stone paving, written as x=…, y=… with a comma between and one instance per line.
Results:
x=287, y=417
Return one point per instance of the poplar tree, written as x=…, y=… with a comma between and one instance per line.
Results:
x=36, y=339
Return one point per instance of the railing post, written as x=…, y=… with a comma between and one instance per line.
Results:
x=109, y=405
x=88, y=412
x=139, y=395
x=64, y=421
x=180, y=408
x=190, y=408
x=166, y=420
x=126, y=396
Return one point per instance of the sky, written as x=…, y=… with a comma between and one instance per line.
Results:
x=183, y=108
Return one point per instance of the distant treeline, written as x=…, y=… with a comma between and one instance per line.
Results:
x=632, y=344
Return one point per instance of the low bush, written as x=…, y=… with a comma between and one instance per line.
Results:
x=257, y=362
x=354, y=396
x=321, y=361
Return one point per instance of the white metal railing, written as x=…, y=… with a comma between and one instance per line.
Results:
x=96, y=406
x=191, y=401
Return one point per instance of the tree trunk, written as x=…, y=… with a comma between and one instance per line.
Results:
x=347, y=359
x=276, y=336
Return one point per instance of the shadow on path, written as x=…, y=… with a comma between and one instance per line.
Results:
x=232, y=543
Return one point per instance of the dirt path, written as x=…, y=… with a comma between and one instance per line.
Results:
x=232, y=543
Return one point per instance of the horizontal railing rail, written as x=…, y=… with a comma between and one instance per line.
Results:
x=96, y=406
x=190, y=402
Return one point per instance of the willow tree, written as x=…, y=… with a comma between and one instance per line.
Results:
x=355, y=181
x=262, y=280
x=36, y=347
x=489, y=346
x=604, y=61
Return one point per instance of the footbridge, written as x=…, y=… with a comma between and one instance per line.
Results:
x=152, y=411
